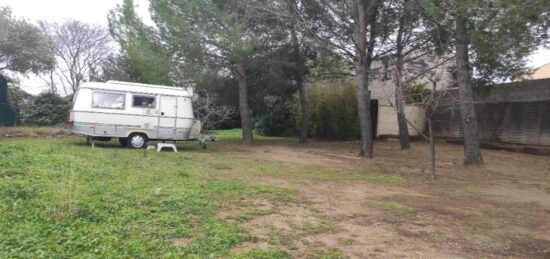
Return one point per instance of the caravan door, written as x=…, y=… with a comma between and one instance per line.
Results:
x=167, y=117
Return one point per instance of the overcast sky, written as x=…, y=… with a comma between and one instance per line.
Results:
x=91, y=11
x=95, y=11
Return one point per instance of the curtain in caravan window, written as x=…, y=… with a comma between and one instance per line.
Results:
x=108, y=100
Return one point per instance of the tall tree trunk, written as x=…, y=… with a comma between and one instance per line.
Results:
x=299, y=67
x=432, y=146
x=404, y=138
x=304, y=110
x=430, y=110
x=53, y=87
x=361, y=79
x=472, y=153
x=246, y=120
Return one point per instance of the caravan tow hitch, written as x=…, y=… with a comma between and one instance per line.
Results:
x=204, y=139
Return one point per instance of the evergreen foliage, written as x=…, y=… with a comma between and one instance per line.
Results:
x=46, y=109
x=276, y=121
x=23, y=47
x=142, y=57
x=502, y=33
x=19, y=99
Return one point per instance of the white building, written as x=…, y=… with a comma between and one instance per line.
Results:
x=427, y=70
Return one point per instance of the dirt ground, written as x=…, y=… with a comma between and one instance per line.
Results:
x=389, y=206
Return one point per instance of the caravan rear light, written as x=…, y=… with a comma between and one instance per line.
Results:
x=70, y=122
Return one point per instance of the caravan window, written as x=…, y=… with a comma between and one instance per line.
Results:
x=143, y=101
x=108, y=100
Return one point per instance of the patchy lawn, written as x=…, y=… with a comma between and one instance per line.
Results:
x=275, y=199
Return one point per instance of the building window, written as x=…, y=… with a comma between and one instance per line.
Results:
x=107, y=100
x=143, y=101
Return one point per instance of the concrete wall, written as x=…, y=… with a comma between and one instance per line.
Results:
x=387, y=120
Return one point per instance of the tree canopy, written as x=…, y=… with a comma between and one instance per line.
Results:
x=23, y=46
x=257, y=51
x=502, y=33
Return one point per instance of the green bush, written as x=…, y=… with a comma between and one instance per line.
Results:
x=333, y=110
x=416, y=93
x=277, y=119
x=46, y=109
x=18, y=99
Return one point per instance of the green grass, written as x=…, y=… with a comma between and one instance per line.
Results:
x=398, y=207
x=60, y=198
x=384, y=176
x=235, y=135
x=332, y=254
x=263, y=254
x=326, y=254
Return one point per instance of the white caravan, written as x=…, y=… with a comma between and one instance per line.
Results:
x=133, y=113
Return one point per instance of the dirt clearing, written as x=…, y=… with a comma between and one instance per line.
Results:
x=389, y=207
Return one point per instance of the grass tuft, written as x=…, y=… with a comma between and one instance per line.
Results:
x=385, y=176
x=398, y=207
x=326, y=254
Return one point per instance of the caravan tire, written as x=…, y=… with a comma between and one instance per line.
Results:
x=137, y=141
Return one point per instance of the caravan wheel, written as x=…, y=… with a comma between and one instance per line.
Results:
x=137, y=140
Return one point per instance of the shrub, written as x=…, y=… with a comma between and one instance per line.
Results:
x=416, y=93
x=333, y=110
x=46, y=109
x=277, y=120
x=19, y=99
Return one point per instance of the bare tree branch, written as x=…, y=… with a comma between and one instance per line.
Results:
x=80, y=49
